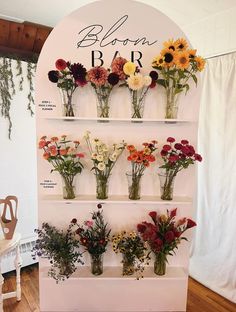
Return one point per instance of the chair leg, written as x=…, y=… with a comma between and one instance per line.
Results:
x=18, y=263
x=1, y=284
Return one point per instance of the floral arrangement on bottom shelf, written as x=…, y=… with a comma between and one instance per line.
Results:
x=62, y=248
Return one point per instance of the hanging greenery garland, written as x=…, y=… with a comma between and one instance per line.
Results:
x=7, y=86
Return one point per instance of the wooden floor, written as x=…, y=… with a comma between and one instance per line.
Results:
x=200, y=298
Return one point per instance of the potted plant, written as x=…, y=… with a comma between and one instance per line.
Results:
x=60, y=247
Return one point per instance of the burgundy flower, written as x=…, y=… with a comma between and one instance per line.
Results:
x=170, y=140
x=177, y=233
x=74, y=221
x=113, y=79
x=153, y=215
x=173, y=213
x=154, y=75
x=198, y=157
x=169, y=236
x=81, y=82
x=173, y=158
x=178, y=146
x=99, y=206
x=166, y=147
x=78, y=71
x=53, y=76
x=79, y=230
x=163, y=153
x=141, y=228
x=184, y=142
x=153, y=84
x=61, y=64
x=157, y=244
x=190, y=223
x=185, y=150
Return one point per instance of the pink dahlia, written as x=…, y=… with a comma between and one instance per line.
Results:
x=98, y=75
x=117, y=67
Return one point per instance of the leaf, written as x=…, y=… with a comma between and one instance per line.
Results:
x=195, y=79
x=162, y=82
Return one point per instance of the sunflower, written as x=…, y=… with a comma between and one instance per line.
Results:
x=168, y=56
x=182, y=60
x=170, y=44
x=192, y=53
x=158, y=61
x=200, y=62
x=181, y=44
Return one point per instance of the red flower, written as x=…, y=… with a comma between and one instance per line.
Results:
x=178, y=146
x=169, y=236
x=184, y=142
x=153, y=84
x=173, y=158
x=173, y=213
x=190, y=224
x=198, y=157
x=166, y=147
x=141, y=228
x=78, y=231
x=170, y=140
x=153, y=215
x=42, y=144
x=61, y=64
x=163, y=153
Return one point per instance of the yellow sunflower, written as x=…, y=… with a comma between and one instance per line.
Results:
x=158, y=61
x=170, y=44
x=192, y=53
x=181, y=44
x=200, y=62
x=168, y=56
x=182, y=60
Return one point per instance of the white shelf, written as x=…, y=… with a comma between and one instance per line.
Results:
x=115, y=273
x=117, y=199
x=133, y=120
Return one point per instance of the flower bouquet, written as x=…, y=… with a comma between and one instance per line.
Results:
x=138, y=86
x=60, y=247
x=177, y=65
x=104, y=159
x=140, y=160
x=68, y=77
x=65, y=159
x=163, y=236
x=176, y=158
x=102, y=81
x=134, y=251
x=94, y=236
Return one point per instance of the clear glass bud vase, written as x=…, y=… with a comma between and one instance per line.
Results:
x=96, y=264
x=134, y=185
x=128, y=265
x=160, y=264
x=167, y=179
x=68, y=106
x=68, y=184
x=101, y=186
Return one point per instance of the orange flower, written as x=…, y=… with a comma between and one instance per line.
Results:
x=42, y=144
x=63, y=152
x=146, y=163
x=43, y=137
x=54, y=139
x=130, y=148
x=192, y=53
x=76, y=142
x=134, y=156
x=170, y=44
x=46, y=155
x=182, y=60
x=181, y=44
x=200, y=63
x=169, y=57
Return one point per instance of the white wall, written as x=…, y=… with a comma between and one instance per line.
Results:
x=18, y=159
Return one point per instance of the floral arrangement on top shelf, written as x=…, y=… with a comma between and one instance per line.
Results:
x=176, y=158
x=163, y=236
x=60, y=247
x=103, y=80
x=138, y=86
x=134, y=252
x=140, y=160
x=94, y=236
x=176, y=64
x=65, y=159
x=104, y=159
x=68, y=77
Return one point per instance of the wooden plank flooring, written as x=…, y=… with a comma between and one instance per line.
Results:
x=200, y=298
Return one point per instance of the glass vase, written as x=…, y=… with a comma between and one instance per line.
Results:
x=137, y=102
x=167, y=179
x=160, y=264
x=172, y=101
x=103, y=102
x=68, y=184
x=96, y=264
x=66, y=99
x=128, y=265
x=134, y=185
x=101, y=186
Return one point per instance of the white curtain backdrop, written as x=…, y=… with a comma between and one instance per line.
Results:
x=213, y=260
